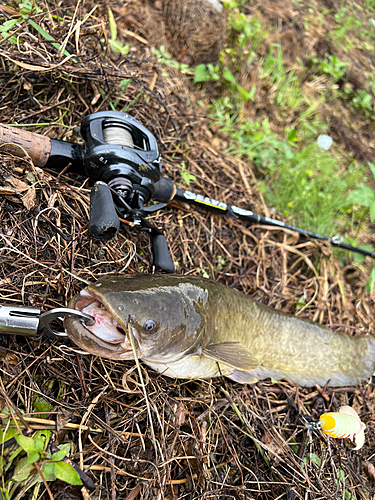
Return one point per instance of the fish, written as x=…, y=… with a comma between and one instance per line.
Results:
x=188, y=327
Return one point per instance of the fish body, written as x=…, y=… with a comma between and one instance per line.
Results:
x=190, y=327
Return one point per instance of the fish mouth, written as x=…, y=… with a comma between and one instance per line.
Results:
x=108, y=331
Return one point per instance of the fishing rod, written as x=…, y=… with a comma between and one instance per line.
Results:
x=122, y=157
x=249, y=216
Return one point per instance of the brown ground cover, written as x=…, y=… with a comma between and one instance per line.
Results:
x=212, y=439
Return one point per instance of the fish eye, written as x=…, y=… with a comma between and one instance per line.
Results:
x=149, y=325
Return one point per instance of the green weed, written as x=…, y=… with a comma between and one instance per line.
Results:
x=25, y=9
x=115, y=44
x=300, y=180
x=362, y=202
x=333, y=67
x=311, y=186
x=311, y=458
x=364, y=102
x=166, y=59
x=187, y=177
x=6, y=30
x=347, y=494
x=347, y=20
x=34, y=456
x=364, y=196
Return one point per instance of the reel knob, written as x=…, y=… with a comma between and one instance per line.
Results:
x=104, y=222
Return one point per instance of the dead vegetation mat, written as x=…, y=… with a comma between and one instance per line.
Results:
x=201, y=439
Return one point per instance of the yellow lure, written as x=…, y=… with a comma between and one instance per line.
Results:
x=344, y=424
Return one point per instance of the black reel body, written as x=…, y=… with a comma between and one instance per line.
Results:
x=121, y=152
x=123, y=157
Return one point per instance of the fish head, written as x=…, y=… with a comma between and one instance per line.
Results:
x=165, y=315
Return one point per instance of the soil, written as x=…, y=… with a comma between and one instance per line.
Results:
x=194, y=439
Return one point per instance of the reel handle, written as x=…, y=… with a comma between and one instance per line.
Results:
x=162, y=259
x=104, y=222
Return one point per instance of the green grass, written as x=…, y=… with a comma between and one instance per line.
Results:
x=301, y=181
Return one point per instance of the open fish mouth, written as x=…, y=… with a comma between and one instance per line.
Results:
x=106, y=327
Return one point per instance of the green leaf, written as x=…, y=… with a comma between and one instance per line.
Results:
x=26, y=7
x=117, y=46
x=341, y=475
x=372, y=211
x=311, y=458
x=363, y=196
x=48, y=37
x=228, y=76
x=370, y=283
x=124, y=84
x=47, y=471
x=59, y=455
x=314, y=459
x=185, y=68
x=292, y=136
x=293, y=446
x=8, y=25
x=246, y=96
x=66, y=473
x=112, y=25
x=187, y=176
x=12, y=456
x=201, y=74
x=284, y=146
x=204, y=273
x=65, y=447
x=358, y=257
x=372, y=167
x=45, y=436
x=8, y=435
x=39, y=444
x=43, y=406
x=4, y=494
x=26, y=443
x=33, y=457
x=22, y=470
x=252, y=93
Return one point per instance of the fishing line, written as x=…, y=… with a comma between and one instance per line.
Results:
x=132, y=343
x=117, y=134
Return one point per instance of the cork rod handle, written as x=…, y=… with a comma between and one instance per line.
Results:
x=38, y=146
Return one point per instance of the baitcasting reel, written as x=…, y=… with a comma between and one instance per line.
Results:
x=123, y=157
x=122, y=153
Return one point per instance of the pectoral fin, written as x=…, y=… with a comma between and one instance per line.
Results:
x=233, y=354
x=242, y=377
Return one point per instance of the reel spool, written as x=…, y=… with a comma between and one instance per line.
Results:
x=114, y=134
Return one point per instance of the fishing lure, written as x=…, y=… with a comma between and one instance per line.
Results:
x=343, y=424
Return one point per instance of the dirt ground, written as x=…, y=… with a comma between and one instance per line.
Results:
x=212, y=439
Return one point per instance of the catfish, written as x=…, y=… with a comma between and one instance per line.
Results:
x=189, y=327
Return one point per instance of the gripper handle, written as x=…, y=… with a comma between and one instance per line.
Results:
x=37, y=146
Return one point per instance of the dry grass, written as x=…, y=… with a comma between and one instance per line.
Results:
x=203, y=439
